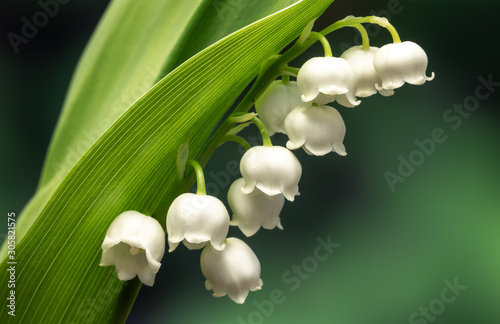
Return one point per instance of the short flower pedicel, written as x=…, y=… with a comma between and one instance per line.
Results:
x=134, y=244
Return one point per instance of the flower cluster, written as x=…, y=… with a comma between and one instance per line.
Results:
x=359, y=72
x=135, y=243
x=269, y=175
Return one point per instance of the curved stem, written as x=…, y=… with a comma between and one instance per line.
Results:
x=324, y=42
x=285, y=79
x=365, y=40
x=200, y=177
x=266, y=139
x=236, y=139
x=394, y=33
x=288, y=70
x=351, y=21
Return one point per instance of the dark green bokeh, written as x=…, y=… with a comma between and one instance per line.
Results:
x=397, y=249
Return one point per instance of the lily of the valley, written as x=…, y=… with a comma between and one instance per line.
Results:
x=317, y=129
x=196, y=220
x=399, y=63
x=253, y=210
x=361, y=60
x=275, y=103
x=273, y=170
x=325, y=79
x=134, y=244
x=233, y=272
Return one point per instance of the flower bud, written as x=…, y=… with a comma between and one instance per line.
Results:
x=134, y=244
x=318, y=130
x=196, y=220
x=399, y=63
x=273, y=170
x=253, y=210
x=233, y=272
x=326, y=79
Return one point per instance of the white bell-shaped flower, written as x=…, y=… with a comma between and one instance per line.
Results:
x=275, y=103
x=318, y=129
x=233, y=272
x=272, y=169
x=361, y=61
x=399, y=63
x=196, y=220
x=326, y=79
x=134, y=244
x=253, y=210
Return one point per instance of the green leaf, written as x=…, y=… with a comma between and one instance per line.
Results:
x=132, y=166
x=135, y=45
x=110, y=78
x=121, y=62
x=221, y=18
x=182, y=157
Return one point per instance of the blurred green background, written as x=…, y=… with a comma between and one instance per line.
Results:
x=399, y=249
